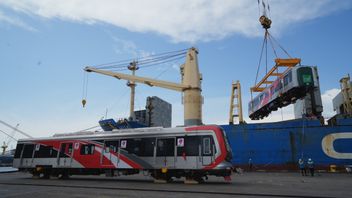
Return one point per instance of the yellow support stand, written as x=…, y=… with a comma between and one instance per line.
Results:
x=274, y=72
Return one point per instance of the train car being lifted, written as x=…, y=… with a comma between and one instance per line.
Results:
x=191, y=152
x=294, y=84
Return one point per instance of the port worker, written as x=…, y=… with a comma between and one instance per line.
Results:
x=250, y=164
x=311, y=166
x=302, y=167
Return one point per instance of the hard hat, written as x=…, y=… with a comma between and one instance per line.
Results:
x=309, y=159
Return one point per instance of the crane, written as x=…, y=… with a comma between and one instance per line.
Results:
x=10, y=137
x=190, y=86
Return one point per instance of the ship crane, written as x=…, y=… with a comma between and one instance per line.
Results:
x=10, y=137
x=190, y=86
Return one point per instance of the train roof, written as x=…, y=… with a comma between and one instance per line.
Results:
x=114, y=133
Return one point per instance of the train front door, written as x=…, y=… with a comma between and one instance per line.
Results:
x=165, y=154
x=65, y=154
x=110, y=153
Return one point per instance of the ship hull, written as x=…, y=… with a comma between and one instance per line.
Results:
x=279, y=145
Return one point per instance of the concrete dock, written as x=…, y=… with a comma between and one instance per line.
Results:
x=252, y=184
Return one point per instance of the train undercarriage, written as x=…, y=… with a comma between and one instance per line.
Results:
x=167, y=175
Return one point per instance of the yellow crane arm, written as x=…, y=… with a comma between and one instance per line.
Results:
x=147, y=81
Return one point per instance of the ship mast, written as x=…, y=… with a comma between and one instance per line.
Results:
x=133, y=67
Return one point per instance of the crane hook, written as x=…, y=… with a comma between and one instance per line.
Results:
x=84, y=103
x=265, y=21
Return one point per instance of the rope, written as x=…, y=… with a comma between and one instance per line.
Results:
x=260, y=60
x=272, y=45
x=280, y=46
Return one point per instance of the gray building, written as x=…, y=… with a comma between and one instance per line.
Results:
x=140, y=116
x=157, y=113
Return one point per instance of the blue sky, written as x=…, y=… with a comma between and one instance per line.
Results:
x=44, y=47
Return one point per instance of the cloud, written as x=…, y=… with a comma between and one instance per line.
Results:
x=181, y=20
x=123, y=46
x=16, y=22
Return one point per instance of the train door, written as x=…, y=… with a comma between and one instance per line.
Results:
x=110, y=153
x=165, y=152
x=65, y=154
x=207, y=150
x=27, y=154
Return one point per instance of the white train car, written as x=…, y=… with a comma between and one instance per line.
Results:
x=191, y=152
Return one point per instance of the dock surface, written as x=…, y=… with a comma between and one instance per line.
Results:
x=251, y=184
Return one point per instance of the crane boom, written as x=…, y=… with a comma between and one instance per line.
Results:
x=144, y=80
x=190, y=86
x=14, y=128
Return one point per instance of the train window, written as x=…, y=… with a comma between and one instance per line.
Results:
x=87, y=149
x=165, y=147
x=18, y=151
x=206, y=146
x=28, y=151
x=278, y=86
x=133, y=146
x=111, y=146
x=69, y=149
x=288, y=78
x=147, y=147
x=45, y=152
x=66, y=149
x=191, y=146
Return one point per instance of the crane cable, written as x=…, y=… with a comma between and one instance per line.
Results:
x=85, y=88
x=144, y=62
x=266, y=23
x=12, y=134
x=23, y=133
x=142, y=58
x=8, y=135
x=177, y=61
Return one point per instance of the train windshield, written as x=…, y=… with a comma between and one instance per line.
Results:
x=227, y=145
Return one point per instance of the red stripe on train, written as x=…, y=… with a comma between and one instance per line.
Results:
x=88, y=161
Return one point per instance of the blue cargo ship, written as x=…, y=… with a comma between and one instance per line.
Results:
x=279, y=145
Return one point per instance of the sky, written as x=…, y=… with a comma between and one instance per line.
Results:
x=45, y=45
